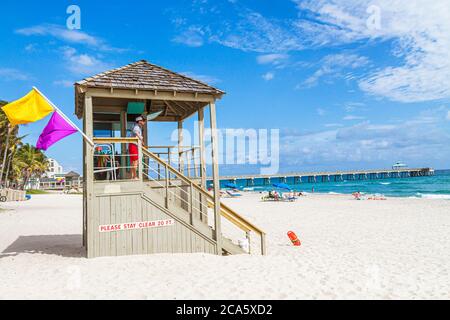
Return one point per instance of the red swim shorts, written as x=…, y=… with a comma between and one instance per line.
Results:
x=134, y=152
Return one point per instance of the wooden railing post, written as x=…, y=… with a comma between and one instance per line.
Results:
x=140, y=158
x=194, y=163
x=215, y=173
x=247, y=235
x=180, y=148
x=88, y=193
x=263, y=244
x=166, y=168
x=191, y=202
x=201, y=133
x=169, y=151
x=188, y=163
x=159, y=168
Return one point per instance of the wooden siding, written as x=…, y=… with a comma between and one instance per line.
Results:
x=133, y=207
x=201, y=209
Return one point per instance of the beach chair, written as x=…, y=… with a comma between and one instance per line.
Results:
x=289, y=198
x=233, y=193
x=272, y=196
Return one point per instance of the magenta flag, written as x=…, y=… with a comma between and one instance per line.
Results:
x=57, y=128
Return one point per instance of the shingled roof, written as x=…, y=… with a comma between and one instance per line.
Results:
x=143, y=75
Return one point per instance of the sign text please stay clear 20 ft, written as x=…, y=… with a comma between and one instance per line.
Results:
x=136, y=225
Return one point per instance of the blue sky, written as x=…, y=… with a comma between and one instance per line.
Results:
x=350, y=84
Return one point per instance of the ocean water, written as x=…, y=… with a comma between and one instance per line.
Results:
x=437, y=186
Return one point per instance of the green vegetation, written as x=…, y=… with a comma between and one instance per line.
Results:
x=36, y=192
x=19, y=162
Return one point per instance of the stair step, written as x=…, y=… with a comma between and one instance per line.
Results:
x=231, y=248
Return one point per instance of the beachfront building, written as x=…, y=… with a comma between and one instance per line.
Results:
x=62, y=181
x=33, y=184
x=73, y=179
x=54, y=168
x=53, y=178
x=141, y=199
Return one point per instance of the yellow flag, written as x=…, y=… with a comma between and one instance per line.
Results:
x=31, y=108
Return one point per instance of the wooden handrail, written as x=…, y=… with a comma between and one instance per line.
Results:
x=226, y=211
x=172, y=147
x=116, y=140
x=184, y=149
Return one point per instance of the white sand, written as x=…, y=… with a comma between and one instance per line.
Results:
x=399, y=248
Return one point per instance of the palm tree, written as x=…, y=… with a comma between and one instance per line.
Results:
x=15, y=144
x=5, y=132
x=29, y=162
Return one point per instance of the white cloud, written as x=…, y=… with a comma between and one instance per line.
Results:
x=353, y=117
x=365, y=143
x=192, y=37
x=64, y=83
x=83, y=64
x=353, y=106
x=333, y=125
x=31, y=48
x=333, y=66
x=268, y=76
x=273, y=58
x=66, y=35
x=10, y=74
x=254, y=32
x=418, y=31
x=321, y=112
x=201, y=77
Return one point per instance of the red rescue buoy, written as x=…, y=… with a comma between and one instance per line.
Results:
x=295, y=241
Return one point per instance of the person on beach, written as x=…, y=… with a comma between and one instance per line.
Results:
x=133, y=148
x=357, y=195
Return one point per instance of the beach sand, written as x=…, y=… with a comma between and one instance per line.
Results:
x=393, y=249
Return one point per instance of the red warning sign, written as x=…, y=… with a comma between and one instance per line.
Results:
x=136, y=225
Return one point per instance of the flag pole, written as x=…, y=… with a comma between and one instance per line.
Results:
x=65, y=117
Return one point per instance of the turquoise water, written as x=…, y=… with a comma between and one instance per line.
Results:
x=437, y=186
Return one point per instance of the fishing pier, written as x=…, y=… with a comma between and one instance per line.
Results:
x=322, y=177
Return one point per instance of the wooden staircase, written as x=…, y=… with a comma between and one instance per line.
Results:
x=162, y=211
x=187, y=202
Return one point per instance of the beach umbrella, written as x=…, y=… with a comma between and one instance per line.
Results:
x=231, y=185
x=282, y=186
x=153, y=116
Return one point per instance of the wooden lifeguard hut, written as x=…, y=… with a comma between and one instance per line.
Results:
x=164, y=210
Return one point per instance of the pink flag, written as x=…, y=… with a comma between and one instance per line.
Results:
x=57, y=128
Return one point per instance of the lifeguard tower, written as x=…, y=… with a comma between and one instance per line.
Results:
x=167, y=209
